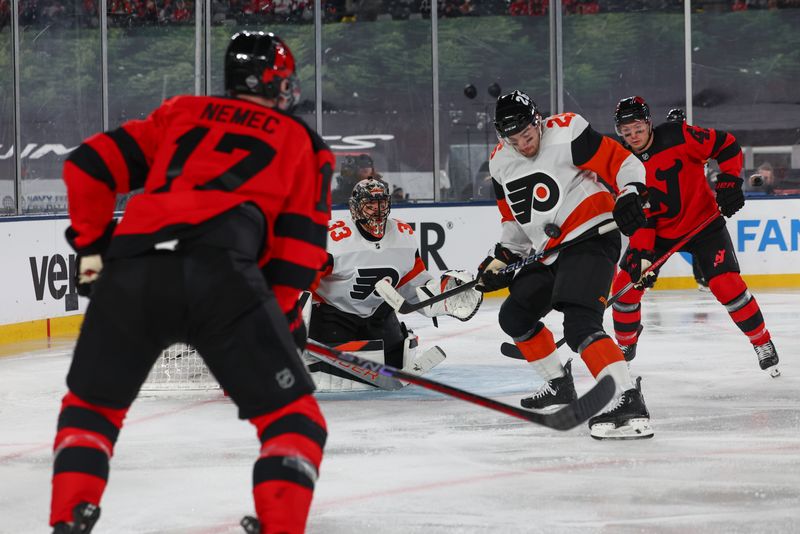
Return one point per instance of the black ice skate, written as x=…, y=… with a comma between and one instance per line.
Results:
x=251, y=525
x=628, y=351
x=84, y=516
x=768, y=358
x=553, y=394
x=627, y=419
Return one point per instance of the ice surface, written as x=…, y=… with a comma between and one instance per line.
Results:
x=725, y=457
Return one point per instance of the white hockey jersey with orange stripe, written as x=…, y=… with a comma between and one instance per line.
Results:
x=559, y=184
x=355, y=264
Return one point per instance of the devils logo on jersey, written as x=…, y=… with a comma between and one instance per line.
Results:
x=366, y=279
x=534, y=192
x=667, y=203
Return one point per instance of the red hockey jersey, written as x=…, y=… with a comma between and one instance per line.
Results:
x=680, y=197
x=195, y=158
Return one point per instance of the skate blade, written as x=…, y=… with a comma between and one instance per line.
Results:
x=773, y=371
x=546, y=410
x=634, y=429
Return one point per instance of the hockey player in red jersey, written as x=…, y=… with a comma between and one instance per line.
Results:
x=674, y=154
x=229, y=229
x=543, y=172
x=363, y=249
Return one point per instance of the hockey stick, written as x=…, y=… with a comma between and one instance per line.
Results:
x=396, y=300
x=380, y=381
x=566, y=418
x=507, y=349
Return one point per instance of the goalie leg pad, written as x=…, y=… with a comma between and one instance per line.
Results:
x=330, y=377
x=426, y=361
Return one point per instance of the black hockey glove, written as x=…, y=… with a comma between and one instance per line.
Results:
x=490, y=278
x=629, y=213
x=90, y=259
x=730, y=197
x=636, y=262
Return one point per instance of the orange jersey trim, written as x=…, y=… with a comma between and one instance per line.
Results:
x=607, y=160
x=590, y=208
x=415, y=270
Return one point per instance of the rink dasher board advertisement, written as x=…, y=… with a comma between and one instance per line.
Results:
x=38, y=266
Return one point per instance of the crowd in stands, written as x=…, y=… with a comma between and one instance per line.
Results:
x=123, y=13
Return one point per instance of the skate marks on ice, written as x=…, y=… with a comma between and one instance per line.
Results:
x=725, y=458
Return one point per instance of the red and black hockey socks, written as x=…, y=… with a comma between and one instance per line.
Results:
x=292, y=441
x=732, y=292
x=627, y=311
x=83, y=446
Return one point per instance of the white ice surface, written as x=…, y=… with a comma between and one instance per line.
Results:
x=725, y=457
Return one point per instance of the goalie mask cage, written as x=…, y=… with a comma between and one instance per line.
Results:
x=179, y=367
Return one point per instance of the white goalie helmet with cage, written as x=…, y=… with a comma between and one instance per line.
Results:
x=370, y=204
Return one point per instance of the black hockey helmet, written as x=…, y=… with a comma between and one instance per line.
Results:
x=367, y=191
x=514, y=112
x=676, y=115
x=256, y=63
x=631, y=109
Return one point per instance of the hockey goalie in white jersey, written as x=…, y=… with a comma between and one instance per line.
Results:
x=545, y=177
x=349, y=314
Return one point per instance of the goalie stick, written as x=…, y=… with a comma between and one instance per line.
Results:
x=511, y=350
x=396, y=300
x=566, y=418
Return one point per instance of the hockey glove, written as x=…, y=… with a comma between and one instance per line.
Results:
x=629, y=212
x=463, y=306
x=637, y=262
x=730, y=197
x=490, y=278
x=90, y=258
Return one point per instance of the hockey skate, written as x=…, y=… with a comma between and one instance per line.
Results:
x=84, y=515
x=629, y=352
x=554, y=394
x=627, y=419
x=251, y=525
x=768, y=358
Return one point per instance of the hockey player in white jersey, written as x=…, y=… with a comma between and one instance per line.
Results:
x=363, y=249
x=545, y=177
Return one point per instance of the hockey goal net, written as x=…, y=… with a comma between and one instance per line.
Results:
x=179, y=367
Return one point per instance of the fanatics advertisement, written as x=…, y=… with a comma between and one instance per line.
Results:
x=38, y=268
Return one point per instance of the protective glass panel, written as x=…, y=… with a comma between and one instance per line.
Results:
x=377, y=87
x=745, y=75
x=60, y=84
x=499, y=48
x=614, y=49
x=8, y=200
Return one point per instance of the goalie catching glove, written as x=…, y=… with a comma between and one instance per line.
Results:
x=462, y=306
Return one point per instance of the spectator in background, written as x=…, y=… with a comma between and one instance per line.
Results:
x=763, y=181
x=353, y=170
x=398, y=194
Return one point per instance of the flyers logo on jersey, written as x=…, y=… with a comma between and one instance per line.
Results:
x=534, y=192
x=366, y=279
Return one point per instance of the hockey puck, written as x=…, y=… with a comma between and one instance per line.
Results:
x=552, y=230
